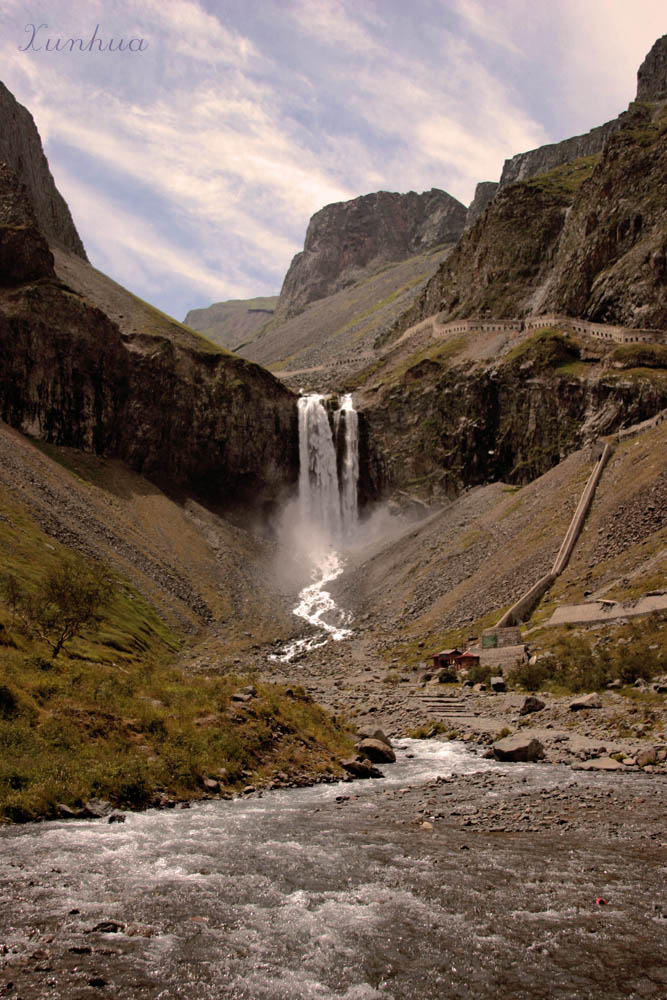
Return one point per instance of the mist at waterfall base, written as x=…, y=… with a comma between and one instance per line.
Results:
x=318, y=528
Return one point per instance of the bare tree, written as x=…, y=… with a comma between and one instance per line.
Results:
x=70, y=596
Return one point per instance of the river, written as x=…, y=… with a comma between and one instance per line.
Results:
x=326, y=892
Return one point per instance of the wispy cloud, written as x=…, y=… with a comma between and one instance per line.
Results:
x=205, y=155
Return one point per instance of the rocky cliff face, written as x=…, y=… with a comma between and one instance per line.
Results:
x=347, y=239
x=485, y=192
x=539, y=161
x=189, y=417
x=587, y=239
x=21, y=149
x=441, y=430
x=24, y=254
x=652, y=74
x=611, y=264
x=499, y=263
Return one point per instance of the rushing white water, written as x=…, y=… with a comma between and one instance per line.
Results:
x=318, y=475
x=350, y=474
x=334, y=893
x=328, y=509
x=314, y=604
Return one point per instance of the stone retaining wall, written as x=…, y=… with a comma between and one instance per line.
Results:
x=602, y=331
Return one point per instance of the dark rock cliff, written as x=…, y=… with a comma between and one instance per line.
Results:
x=652, y=74
x=189, y=418
x=21, y=149
x=485, y=192
x=346, y=239
x=586, y=239
x=441, y=430
x=611, y=264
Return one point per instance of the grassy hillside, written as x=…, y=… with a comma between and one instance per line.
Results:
x=234, y=322
x=115, y=715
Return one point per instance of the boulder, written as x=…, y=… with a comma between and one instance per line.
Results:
x=592, y=700
x=361, y=768
x=498, y=684
x=66, y=812
x=376, y=751
x=97, y=808
x=531, y=704
x=648, y=756
x=376, y=734
x=519, y=748
x=600, y=764
x=107, y=927
x=479, y=687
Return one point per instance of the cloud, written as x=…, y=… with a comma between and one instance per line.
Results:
x=207, y=154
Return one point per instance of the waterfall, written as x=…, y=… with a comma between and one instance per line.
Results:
x=328, y=484
x=350, y=478
x=327, y=496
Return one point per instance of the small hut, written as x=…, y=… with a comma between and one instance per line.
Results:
x=446, y=658
x=464, y=661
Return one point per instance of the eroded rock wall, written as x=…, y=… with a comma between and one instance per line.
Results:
x=21, y=148
x=347, y=239
x=190, y=419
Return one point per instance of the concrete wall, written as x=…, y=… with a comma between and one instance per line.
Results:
x=526, y=604
x=579, y=516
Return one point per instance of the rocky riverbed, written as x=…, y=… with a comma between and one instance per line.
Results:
x=453, y=876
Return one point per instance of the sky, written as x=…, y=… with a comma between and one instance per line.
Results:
x=193, y=158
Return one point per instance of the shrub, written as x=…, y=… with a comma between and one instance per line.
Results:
x=448, y=675
x=68, y=597
x=531, y=676
x=9, y=706
x=480, y=674
x=576, y=665
x=640, y=356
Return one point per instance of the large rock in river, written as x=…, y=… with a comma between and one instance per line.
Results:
x=361, y=768
x=518, y=748
x=376, y=750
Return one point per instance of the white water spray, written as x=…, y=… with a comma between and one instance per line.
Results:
x=328, y=507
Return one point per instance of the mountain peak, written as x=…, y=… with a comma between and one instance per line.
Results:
x=652, y=74
x=348, y=239
x=21, y=148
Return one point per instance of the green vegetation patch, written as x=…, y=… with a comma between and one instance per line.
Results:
x=71, y=730
x=640, y=356
x=110, y=715
x=572, y=662
x=565, y=181
x=549, y=348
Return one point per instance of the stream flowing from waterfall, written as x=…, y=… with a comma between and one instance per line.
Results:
x=328, y=512
x=330, y=893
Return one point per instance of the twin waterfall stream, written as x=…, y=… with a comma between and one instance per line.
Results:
x=328, y=511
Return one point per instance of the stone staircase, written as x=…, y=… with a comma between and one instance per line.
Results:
x=441, y=706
